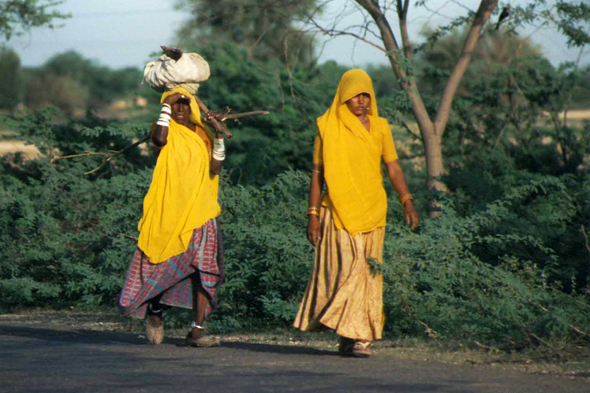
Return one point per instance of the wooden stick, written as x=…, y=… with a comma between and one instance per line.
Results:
x=217, y=124
x=245, y=114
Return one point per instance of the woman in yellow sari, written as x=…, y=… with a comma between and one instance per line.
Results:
x=179, y=259
x=347, y=223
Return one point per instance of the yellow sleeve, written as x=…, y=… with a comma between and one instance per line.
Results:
x=318, y=156
x=389, y=151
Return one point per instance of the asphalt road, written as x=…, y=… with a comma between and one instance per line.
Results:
x=62, y=359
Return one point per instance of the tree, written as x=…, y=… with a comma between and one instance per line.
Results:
x=569, y=18
x=19, y=16
x=10, y=79
x=264, y=27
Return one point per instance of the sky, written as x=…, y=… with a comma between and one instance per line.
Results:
x=120, y=33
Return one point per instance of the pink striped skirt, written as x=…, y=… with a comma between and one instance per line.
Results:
x=172, y=279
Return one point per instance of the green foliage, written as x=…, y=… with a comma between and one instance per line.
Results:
x=500, y=265
x=266, y=146
x=441, y=283
x=267, y=255
x=10, y=79
x=103, y=84
x=267, y=28
x=19, y=16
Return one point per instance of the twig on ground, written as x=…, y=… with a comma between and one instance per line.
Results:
x=429, y=332
x=492, y=349
x=557, y=351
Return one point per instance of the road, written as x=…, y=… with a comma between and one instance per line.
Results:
x=51, y=358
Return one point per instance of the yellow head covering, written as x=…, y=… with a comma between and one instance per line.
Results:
x=352, y=158
x=195, y=116
x=182, y=195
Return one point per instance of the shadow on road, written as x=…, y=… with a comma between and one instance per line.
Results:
x=281, y=349
x=75, y=335
x=81, y=336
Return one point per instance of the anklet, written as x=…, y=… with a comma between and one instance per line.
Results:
x=151, y=308
x=194, y=325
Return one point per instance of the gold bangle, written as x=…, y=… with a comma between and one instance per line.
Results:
x=406, y=198
x=314, y=211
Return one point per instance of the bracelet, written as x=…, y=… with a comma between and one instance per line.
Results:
x=218, y=156
x=313, y=211
x=219, y=145
x=218, y=149
x=164, y=120
x=406, y=198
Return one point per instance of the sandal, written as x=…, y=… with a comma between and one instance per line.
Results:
x=154, y=325
x=203, y=341
x=345, y=346
x=361, y=349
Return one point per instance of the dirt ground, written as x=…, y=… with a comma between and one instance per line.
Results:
x=10, y=146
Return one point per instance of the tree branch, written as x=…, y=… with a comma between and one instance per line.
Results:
x=402, y=12
x=336, y=33
x=483, y=14
x=408, y=84
x=109, y=156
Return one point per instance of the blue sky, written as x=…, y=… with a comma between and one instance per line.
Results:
x=121, y=33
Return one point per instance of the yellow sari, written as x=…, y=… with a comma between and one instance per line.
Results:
x=343, y=293
x=182, y=195
x=352, y=158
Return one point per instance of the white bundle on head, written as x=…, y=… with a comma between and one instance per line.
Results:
x=166, y=73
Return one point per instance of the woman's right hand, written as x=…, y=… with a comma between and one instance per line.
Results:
x=174, y=98
x=313, y=230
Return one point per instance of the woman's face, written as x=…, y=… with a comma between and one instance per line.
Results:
x=181, y=112
x=359, y=104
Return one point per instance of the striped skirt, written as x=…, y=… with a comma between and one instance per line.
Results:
x=172, y=279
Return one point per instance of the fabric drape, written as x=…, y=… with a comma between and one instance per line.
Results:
x=352, y=158
x=182, y=195
x=343, y=292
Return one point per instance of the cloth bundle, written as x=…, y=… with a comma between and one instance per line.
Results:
x=166, y=73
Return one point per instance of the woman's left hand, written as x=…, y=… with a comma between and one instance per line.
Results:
x=213, y=115
x=411, y=215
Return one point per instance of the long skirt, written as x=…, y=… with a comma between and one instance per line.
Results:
x=345, y=293
x=172, y=279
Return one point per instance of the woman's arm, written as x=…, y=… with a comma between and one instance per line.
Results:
x=315, y=193
x=160, y=135
x=398, y=180
x=218, y=155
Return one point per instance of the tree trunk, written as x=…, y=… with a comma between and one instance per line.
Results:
x=432, y=131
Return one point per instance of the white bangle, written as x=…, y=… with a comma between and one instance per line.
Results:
x=218, y=156
x=165, y=110
x=219, y=145
x=164, y=120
